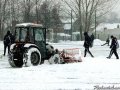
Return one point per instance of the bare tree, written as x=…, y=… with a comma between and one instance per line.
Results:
x=3, y=4
x=27, y=5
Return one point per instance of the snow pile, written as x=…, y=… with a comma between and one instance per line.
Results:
x=98, y=42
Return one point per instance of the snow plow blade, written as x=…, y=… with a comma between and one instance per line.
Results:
x=71, y=55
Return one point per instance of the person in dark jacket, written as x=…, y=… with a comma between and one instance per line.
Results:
x=113, y=47
x=87, y=44
x=7, y=42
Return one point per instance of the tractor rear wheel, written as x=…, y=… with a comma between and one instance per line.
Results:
x=15, y=62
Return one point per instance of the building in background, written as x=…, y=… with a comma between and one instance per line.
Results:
x=105, y=30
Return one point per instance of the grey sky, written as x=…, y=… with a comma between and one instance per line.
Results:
x=117, y=7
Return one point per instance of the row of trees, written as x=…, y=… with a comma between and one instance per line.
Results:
x=88, y=13
x=37, y=11
x=50, y=13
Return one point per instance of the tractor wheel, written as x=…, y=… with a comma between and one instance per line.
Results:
x=15, y=62
x=33, y=57
x=11, y=60
x=55, y=59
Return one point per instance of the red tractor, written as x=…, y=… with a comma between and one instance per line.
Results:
x=30, y=47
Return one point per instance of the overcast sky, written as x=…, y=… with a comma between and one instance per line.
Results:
x=117, y=7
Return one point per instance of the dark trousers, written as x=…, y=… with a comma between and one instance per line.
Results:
x=115, y=52
x=87, y=50
x=5, y=47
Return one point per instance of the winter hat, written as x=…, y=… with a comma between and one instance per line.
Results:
x=112, y=36
x=8, y=32
x=85, y=33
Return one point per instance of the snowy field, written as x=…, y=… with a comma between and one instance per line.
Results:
x=95, y=73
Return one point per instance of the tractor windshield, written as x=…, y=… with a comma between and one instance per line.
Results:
x=22, y=34
x=29, y=34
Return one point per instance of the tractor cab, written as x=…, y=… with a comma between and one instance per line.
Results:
x=30, y=46
x=29, y=33
x=30, y=39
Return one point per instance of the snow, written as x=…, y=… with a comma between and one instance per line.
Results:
x=28, y=45
x=67, y=26
x=76, y=33
x=63, y=34
x=28, y=24
x=86, y=75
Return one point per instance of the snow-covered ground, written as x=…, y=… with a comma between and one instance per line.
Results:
x=97, y=72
